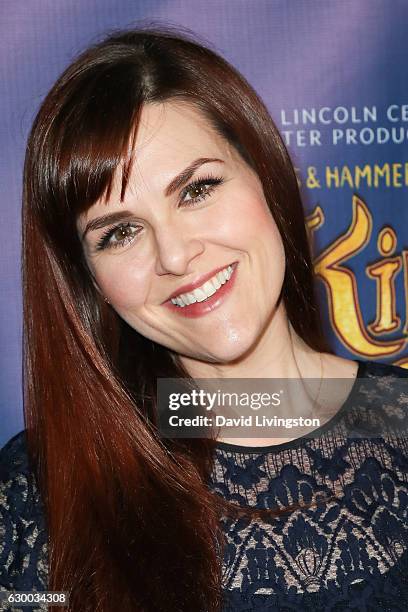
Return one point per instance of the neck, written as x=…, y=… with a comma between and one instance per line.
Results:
x=278, y=353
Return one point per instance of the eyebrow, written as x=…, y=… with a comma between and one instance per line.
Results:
x=175, y=184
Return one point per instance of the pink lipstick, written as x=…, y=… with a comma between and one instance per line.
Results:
x=200, y=308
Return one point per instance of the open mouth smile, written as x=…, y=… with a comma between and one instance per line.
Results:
x=207, y=296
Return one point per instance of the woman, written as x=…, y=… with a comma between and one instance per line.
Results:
x=151, y=169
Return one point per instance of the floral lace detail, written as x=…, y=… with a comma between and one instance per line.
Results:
x=23, y=542
x=348, y=553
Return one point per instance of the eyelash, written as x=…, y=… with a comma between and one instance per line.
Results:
x=211, y=181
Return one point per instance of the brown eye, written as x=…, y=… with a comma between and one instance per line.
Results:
x=196, y=192
x=118, y=236
x=122, y=232
x=199, y=190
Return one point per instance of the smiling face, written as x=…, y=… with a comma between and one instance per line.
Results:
x=206, y=238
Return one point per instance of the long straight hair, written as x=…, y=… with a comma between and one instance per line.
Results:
x=132, y=523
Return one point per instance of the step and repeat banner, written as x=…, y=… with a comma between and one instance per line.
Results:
x=334, y=75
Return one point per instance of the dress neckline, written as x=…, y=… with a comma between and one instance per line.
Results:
x=241, y=449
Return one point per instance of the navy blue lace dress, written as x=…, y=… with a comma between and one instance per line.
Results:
x=348, y=553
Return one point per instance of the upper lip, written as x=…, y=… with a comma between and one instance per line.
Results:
x=200, y=280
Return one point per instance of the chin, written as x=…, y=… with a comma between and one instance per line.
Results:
x=229, y=349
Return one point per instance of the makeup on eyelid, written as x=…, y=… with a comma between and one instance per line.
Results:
x=212, y=181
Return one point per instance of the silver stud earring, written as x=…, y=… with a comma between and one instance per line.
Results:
x=106, y=300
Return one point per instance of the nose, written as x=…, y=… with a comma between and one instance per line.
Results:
x=175, y=250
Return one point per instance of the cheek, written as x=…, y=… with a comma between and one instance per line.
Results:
x=247, y=220
x=123, y=285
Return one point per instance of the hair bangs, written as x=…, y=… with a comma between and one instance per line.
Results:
x=94, y=138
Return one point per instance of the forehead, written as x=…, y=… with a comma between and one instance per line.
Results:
x=174, y=131
x=169, y=137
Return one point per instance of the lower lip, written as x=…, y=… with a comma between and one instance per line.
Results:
x=198, y=309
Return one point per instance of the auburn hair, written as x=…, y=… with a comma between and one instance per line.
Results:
x=132, y=523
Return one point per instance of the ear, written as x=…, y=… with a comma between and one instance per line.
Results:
x=95, y=284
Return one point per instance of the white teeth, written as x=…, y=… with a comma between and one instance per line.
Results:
x=216, y=282
x=199, y=295
x=207, y=290
x=221, y=278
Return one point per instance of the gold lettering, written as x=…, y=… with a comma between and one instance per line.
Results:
x=364, y=173
x=332, y=175
x=341, y=286
x=346, y=177
x=402, y=363
x=384, y=274
x=405, y=262
x=396, y=175
x=380, y=172
x=313, y=222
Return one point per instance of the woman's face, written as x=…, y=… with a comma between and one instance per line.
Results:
x=192, y=209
